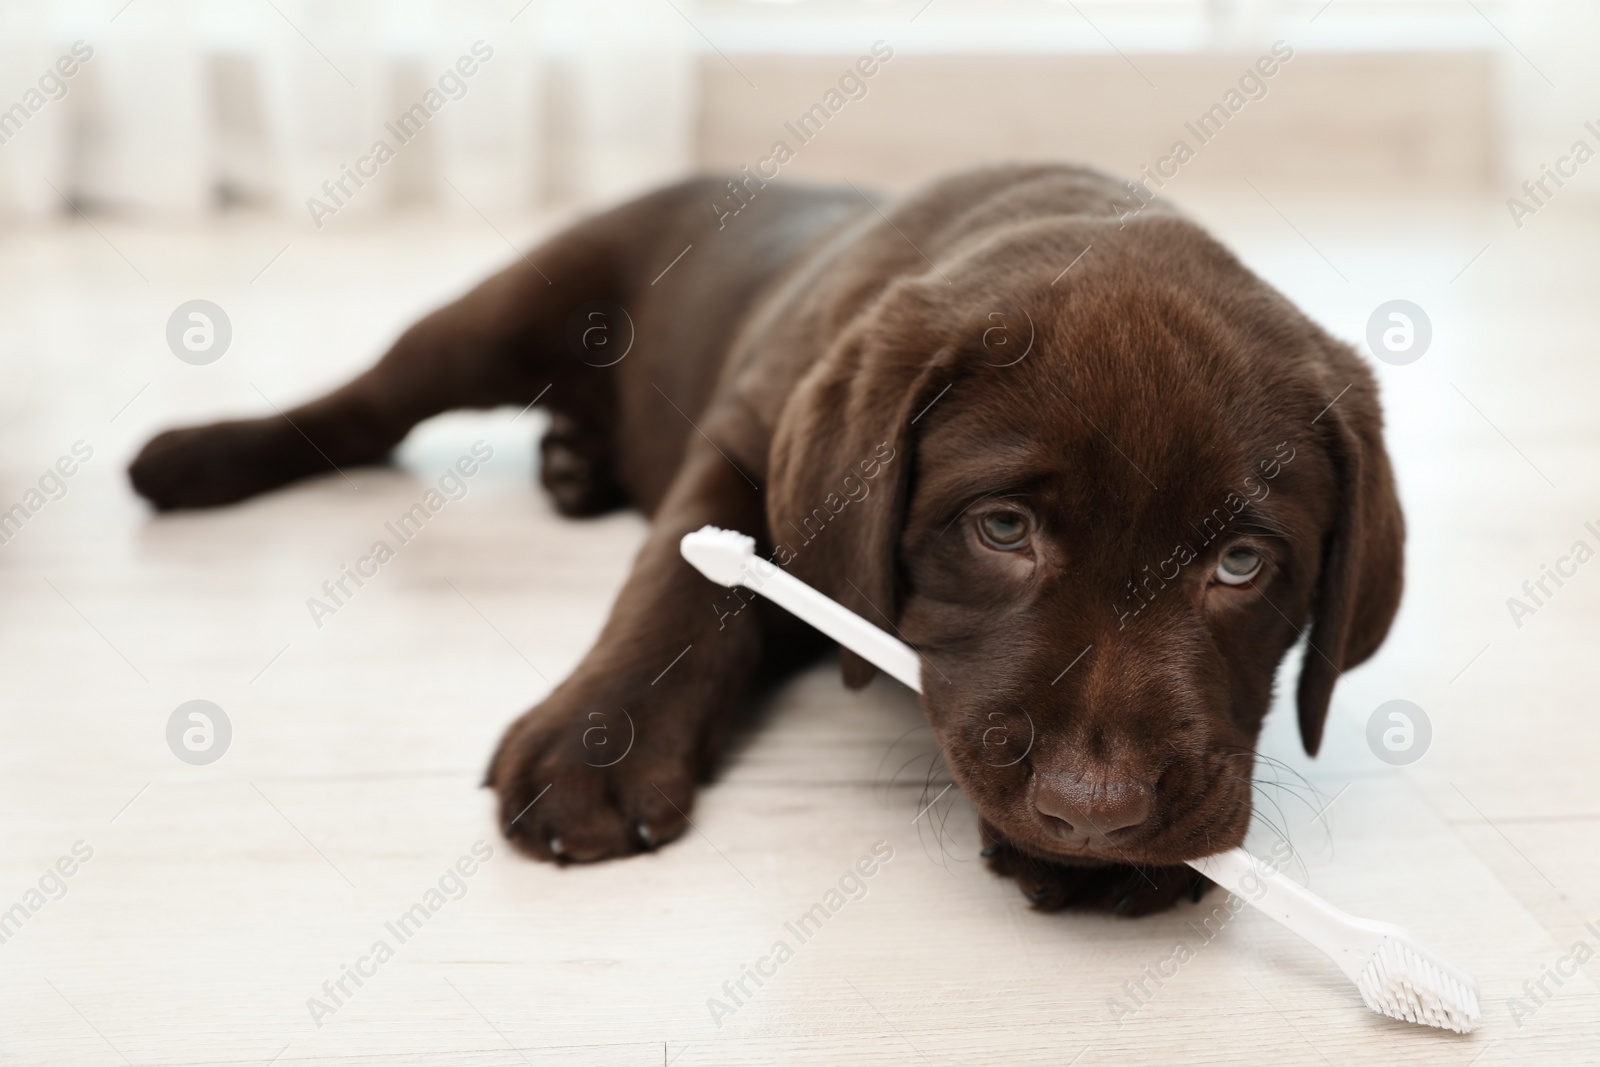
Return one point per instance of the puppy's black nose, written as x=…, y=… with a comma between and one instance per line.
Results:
x=1096, y=808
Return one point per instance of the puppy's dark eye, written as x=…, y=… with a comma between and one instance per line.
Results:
x=1005, y=530
x=1239, y=566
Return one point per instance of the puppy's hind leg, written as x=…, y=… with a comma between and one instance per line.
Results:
x=501, y=343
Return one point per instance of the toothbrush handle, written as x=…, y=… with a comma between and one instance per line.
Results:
x=1335, y=932
x=892, y=656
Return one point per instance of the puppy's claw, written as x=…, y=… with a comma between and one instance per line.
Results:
x=989, y=852
x=646, y=836
x=555, y=848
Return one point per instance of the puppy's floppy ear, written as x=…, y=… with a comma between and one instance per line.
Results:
x=1363, y=556
x=841, y=465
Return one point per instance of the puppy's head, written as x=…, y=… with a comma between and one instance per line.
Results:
x=1103, y=511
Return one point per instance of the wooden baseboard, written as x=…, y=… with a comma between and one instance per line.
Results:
x=1326, y=121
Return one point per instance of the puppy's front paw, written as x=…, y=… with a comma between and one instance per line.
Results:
x=1120, y=888
x=579, y=780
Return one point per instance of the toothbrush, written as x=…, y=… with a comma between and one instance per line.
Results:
x=1394, y=973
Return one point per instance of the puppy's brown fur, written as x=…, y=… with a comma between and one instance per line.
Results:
x=871, y=393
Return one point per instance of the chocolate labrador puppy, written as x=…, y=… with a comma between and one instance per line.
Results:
x=1096, y=472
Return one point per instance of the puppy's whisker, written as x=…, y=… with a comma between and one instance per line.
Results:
x=944, y=832
x=914, y=759
x=1262, y=816
x=1283, y=766
x=1293, y=789
x=1282, y=832
x=935, y=824
x=1270, y=791
x=1279, y=765
x=895, y=778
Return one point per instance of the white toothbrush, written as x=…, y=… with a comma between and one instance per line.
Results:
x=1394, y=973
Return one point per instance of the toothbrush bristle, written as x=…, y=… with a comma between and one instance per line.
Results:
x=1402, y=982
x=719, y=554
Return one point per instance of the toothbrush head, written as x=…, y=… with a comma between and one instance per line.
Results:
x=721, y=555
x=1404, y=981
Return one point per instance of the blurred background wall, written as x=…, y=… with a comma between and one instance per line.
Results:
x=197, y=108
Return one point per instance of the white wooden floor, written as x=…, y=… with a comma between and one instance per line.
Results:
x=216, y=900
